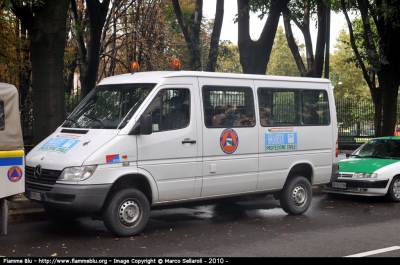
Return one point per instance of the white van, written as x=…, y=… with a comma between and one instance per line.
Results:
x=148, y=139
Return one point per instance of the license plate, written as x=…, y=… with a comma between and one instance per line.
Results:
x=35, y=196
x=340, y=185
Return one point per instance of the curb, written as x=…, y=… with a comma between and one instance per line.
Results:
x=24, y=210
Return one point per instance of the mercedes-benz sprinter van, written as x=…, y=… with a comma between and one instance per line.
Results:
x=148, y=139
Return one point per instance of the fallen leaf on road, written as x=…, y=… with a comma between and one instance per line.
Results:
x=330, y=207
x=142, y=247
x=116, y=239
x=54, y=254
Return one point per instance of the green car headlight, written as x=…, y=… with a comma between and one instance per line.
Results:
x=75, y=174
x=365, y=175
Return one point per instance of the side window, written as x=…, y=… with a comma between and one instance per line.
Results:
x=228, y=106
x=277, y=107
x=315, y=107
x=2, y=116
x=293, y=107
x=170, y=110
x=285, y=107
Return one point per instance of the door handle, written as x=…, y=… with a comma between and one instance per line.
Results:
x=188, y=141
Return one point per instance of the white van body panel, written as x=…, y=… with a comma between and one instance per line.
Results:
x=313, y=146
x=66, y=149
x=229, y=173
x=174, y=172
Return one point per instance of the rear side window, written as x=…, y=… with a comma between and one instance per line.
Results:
x=2, y=116
x=293, y=107
x=228, y=106
x=170, y=110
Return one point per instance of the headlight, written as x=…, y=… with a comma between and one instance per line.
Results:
x=77, y=173
x=365, y=175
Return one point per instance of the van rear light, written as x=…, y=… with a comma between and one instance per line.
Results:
x=337, y=148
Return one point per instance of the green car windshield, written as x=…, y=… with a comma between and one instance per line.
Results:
x=379, y=148
x=108, y=106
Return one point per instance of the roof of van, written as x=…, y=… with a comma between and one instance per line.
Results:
x=156, y=76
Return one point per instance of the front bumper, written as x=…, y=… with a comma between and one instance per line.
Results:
x=367, y=187
x=85, y=198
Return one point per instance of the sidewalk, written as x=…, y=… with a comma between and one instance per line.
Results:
x=25, y=210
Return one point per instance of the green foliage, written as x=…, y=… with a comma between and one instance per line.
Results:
x=228, y=58
x=345, y=76
x=281, y=61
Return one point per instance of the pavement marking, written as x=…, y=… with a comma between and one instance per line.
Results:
x=373, y=252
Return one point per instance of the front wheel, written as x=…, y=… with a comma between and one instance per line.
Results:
x=393, y=193
x=126, y=212
x=296, y=195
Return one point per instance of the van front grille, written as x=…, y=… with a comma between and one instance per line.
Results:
x=43, y=182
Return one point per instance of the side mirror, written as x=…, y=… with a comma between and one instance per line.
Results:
x=143, y=126
x=146, y=125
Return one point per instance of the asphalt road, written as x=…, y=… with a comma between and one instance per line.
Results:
x=332, y=227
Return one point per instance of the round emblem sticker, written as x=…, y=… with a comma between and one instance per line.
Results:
x=14, y=174
x=229, y=141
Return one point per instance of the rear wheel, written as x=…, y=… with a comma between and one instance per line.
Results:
x=126, y=212
x=393, y=193
x=296, y=195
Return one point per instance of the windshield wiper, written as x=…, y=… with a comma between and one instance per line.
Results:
x=371, y=156
x=95, y=119
x=74, y=121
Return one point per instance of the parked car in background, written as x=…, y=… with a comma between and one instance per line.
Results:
x=371, y=170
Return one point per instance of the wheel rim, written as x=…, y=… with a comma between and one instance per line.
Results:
x=396, y=188
x=299, y=196
x=129, y=213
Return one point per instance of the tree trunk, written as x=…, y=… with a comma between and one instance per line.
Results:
x=385, y=102
x=90, y=55
x=315, y=63
x=191, y=32
x=47, y=32
x=254, y=55
x=215, y=36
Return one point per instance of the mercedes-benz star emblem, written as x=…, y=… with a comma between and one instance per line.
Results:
x=38, y=171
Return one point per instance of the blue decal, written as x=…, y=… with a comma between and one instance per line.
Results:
x=281, y=141
x=59, y=145
x=11, y=161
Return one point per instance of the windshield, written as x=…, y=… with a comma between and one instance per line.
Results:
x=379, y=149
x=108, y=106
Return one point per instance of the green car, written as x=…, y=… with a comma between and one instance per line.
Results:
x=371, y=170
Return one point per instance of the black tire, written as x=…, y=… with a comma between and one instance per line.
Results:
x=296, y=195
x=393, y=193
x=126, y=212
x=60, y=214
